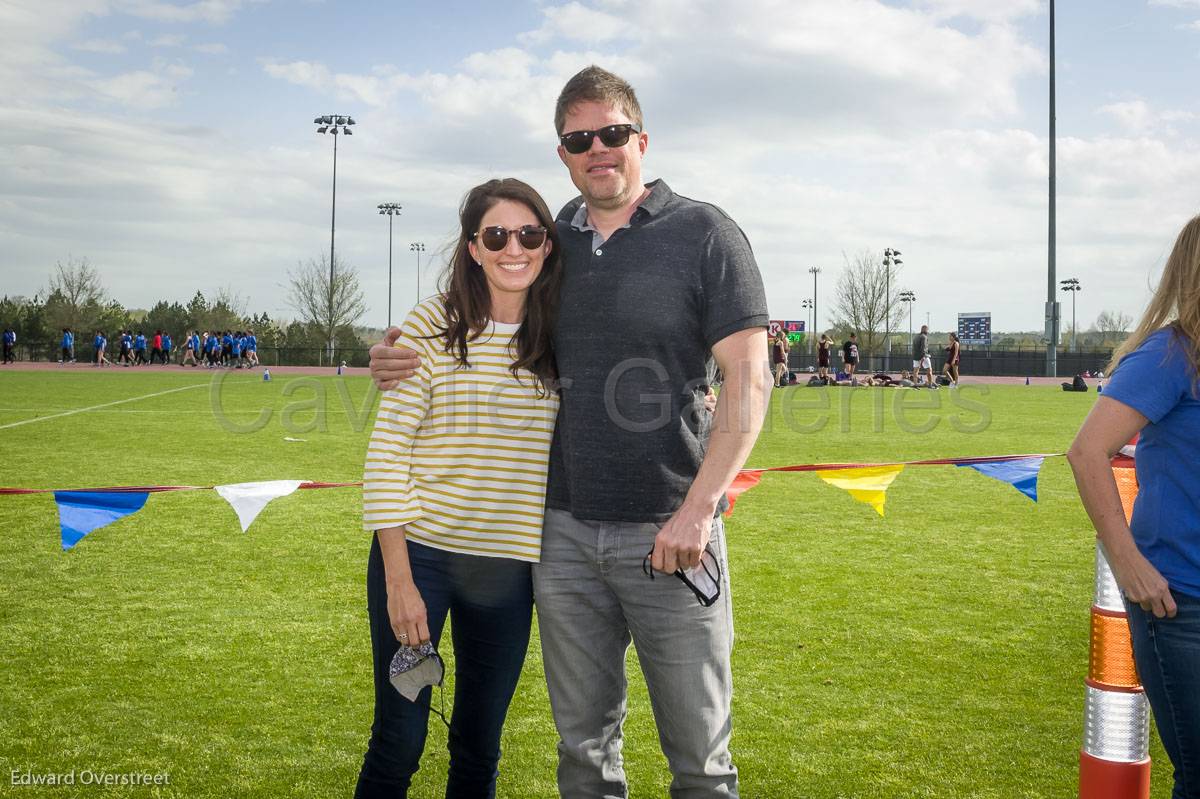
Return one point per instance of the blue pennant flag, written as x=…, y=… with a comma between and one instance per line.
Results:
x=1020, y=474
x=80, y=512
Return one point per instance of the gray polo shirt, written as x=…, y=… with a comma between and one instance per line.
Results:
x=920, y=346
x=639, y=315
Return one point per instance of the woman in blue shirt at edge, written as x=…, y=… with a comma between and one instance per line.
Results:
x=1155, y=390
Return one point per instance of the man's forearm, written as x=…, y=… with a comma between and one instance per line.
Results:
x=741, y=408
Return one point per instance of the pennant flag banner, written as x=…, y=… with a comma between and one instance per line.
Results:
x=248, y=499
x=81, y=512
x=867, y=484
x=745, y=480
x=1021, y=475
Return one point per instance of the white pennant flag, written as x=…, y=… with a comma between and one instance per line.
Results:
x=248, y=499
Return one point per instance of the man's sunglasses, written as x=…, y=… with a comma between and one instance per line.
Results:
x=703, y=580
x=580, y=141
x=495, y=237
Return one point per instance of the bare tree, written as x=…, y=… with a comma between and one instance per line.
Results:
x=328, y=306
x=860, y=301
x=75, y=296
x=1113, y=326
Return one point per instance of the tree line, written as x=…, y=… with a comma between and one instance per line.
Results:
x=75, y=298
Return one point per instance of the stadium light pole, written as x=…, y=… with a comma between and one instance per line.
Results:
x=890, y=259
x=908, y=298
x=1072, y=285
x=418, y=248
x=814, y=271
x=391, y=209
x=1051, y=236
x=333, y=124
x=808, y=304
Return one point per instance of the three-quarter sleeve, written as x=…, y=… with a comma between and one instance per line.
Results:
x=390, y=497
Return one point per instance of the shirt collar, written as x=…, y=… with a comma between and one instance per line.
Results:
x=660, y=194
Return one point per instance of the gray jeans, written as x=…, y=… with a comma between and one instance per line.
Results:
x=592, y=600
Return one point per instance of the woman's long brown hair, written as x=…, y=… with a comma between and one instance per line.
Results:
x=1176, y=302
x=468, y=301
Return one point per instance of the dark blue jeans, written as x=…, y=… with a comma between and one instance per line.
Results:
x=1167, y=653
x=490, y=603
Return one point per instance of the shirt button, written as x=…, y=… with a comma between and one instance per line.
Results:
x=599, y=252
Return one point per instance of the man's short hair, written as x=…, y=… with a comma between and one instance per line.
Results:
x=596, y=85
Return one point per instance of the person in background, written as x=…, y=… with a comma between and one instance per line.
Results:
x=125, y=357
x=166, y=348
x=779, y=353
x=227, y=349
x=823, y=347
x=189, y=349
x=922, y=362
x=10, y=342
x=99, y=342
x=451, y=536
x=235, y=350
x=139, y=348
x=1153, y=392
x=68, y=346
x=251, y=348
x=156, y=349
x=953, y=353
x=850, y=354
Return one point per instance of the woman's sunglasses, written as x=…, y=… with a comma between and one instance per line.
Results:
x=580, y=141
x=495, y=237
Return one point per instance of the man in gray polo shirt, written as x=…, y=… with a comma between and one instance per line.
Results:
x=655, y=287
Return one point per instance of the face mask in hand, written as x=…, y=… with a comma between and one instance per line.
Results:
x=413, y=669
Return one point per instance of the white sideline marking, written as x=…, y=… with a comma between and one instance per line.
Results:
x=97, y=407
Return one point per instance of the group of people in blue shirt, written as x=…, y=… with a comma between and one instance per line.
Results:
x=234, y=350
x=229, y=349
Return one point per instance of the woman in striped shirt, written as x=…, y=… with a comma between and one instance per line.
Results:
x=454, y=484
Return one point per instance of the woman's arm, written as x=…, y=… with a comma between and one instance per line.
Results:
x=1107, y=428
x=406, y=609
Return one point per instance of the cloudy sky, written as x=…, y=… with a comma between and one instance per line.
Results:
x=172, y=144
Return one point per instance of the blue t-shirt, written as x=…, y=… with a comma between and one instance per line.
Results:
x=68, y=341
x=252, y=343
x=98, y=342
x=139, y=343
x=166, y=341
x=1156, y=380
x=195, y=342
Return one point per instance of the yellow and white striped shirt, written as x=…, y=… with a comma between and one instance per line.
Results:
x=458, y=456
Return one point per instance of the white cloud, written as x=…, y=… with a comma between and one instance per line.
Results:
x=576, y=22
x=105, y=46
x=983, y=10
x=142, y=89
x=168, y=40
x=211, y=11
x=211, y=48
x=1137, y=117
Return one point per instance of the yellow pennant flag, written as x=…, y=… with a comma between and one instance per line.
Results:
x=867, y=484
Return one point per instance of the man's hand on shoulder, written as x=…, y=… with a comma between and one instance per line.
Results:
x=391, y=364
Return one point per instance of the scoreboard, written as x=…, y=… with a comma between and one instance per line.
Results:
x=794, y=330
x=975, y=328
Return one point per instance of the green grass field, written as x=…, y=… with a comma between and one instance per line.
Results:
x=937, y=652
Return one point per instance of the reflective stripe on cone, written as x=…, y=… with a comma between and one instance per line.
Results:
x=1116, y=724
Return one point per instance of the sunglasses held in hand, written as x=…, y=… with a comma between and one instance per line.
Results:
x=580, y=141
x=703, y=580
